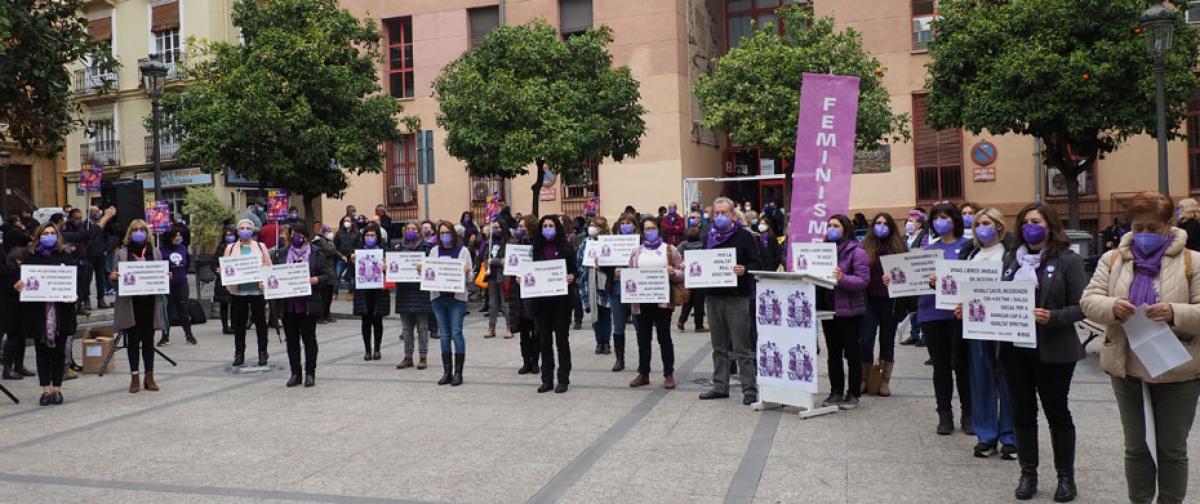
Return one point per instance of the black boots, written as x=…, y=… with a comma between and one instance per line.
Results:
x=1063, y=441
x=239, y=358
x=262, y=358
x=10, y=373
x=1027, y=455
x=945, y=425
x=293, y=381
x=619, y=348
x=447, y=370
x=458, y=367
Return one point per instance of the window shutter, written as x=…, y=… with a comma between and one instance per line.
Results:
x=574, y=15
x=100, y=29
x=165, y=17
x=925, y=138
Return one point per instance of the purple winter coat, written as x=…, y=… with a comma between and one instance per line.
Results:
x=849, y=297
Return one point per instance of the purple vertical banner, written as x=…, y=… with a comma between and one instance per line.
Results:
x=824, y=155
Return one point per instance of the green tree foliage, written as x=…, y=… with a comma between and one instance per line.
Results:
x=208, y=215
x=300, y=95
x=38, y=39
x=1073, y=73
x=754, y=93
x=524, y=97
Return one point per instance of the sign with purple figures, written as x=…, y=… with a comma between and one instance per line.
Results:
x=402, y=267
x=48, y=284
x=910, y=272
x=615, y=250
x=786, y=318
x=591, y=252
x=142, y=278
x=999, y=311
x=516, y=256
x=242, y=269
x=709, y=268
x=443, y=274
x=815, y=258
x=645, y=285
x=284, y=281
x=158, y=216
x=368, y=269
x=951, y=275
x=544, y=279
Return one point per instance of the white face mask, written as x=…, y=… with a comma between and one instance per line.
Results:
x=346, y=225
x=593, y=231
x=762, y=228
x=329, y=236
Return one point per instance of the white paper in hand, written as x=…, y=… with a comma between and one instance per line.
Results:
x=1154, y=343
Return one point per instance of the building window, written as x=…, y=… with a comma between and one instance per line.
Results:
x=742, y=16
x=1192, y=13
x=923, y=14
x=574, y=17
x=399, y=56
x=482, y=20
x=481, y=188
x=102, y=146
x=938, y=158
x=578, y=193
x=402, y=178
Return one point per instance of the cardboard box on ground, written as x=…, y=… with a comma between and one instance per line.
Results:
x=96, y=344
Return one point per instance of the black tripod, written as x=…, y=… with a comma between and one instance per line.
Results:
x=10, y=395
x=119, y=341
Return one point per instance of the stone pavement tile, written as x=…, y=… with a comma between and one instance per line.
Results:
x=788, y=478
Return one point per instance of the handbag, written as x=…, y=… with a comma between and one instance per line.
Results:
x=481, y=277
x=679, y=295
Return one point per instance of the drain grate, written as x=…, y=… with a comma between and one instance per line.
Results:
x=249, y=370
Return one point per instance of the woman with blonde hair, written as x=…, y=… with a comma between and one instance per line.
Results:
x=138, y=316
x=1189, y=221
x=1152, y=271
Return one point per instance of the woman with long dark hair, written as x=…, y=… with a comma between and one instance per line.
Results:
x=553, y=314
x=138, y=316
x=521, y=310
x=842, y=333
x=470, y=234
x=371, y=305
x=176, y=253
x=626, y=224
x=451, y=307
x=882, y=239
x=1043, y=256
x=412, y=304
x=652, y=317
x=346, y=240
x=48, y=324
x=494, y=249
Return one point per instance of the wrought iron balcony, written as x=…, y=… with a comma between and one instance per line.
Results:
x=96, y=79
x=167, y=148
x=102, y=153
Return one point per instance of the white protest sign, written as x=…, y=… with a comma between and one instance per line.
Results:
x=141, y=278
x=544, y=279
x=241, y=269
x=48, y=284
x=286, y=281
x=515, y=258
x=1154, y=343
x=910, y=272
x=786, y=319
x=952, y=274
x=816, y=258
x=999, y=311
x=443, y=274
x=368, y=269
x=645, y=285
x=402, y=266
x=709, y=268
x=591, y=252
x=615, y=250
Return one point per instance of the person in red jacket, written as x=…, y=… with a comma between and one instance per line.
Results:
x=673, y=225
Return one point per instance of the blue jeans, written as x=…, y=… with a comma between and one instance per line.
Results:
x=991, y=407
x=879, y=316
x=619, y=312
x=342, y=267
x=602, y=327
x=450, y=313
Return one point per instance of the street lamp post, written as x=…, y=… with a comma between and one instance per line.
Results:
x=5, y=159
x=154, y=77
x=1158, y=27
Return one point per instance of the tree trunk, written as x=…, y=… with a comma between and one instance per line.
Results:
x=537, y=186
x=308, y=211
x=1072, y=180
x=1059, y=153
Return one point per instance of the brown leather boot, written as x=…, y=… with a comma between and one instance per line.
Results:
x=669, y=383
x=135, y=385
x=874, y=378
x=866, y=374
x=422, y=364
x=640, y=380
x=150, y=385
x=406, y=363
x=885, y=388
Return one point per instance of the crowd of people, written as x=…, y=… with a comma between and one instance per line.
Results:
x=1149, y=264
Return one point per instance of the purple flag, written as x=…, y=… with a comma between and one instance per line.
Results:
x=824, y=155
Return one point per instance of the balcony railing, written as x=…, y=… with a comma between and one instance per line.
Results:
x=102, y=153
x=96, y=79
x=174, y=62
x=167, y=148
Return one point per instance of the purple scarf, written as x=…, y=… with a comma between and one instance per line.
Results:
x=652, y=245
x=298, y=254
x=44, y=251
x=717, y=237
x=1145, y=270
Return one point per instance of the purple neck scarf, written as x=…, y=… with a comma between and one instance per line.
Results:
x=652, y=245
x=1145, y=270
x=298, y=254
x=44, y=251
x=717, y=237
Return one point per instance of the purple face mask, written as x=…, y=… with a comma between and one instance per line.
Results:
x=447, y=239
x=882, y=231
x=410, y=235
x=297, y=241
x=1033, y=234
x=549, y=233
x=370, y=241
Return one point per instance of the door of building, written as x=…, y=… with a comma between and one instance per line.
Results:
x=772, y=191
x=18, y=193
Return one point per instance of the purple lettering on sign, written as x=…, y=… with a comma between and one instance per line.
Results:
x=824, y=154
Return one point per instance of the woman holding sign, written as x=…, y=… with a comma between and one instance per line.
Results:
x=1043, y=256
x=48, y=323
x=176, y=252
x=553, y=314
x=602, y=328
x=412, y=305
x=138, y=316
x=300, y=314
x=248, y=303
x=653, y=253
x=1153, y=272
x=370, y=304
x=843, y=331
x=521, y=310
x=451, y=307
x=882, y=239
x=626, y=225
